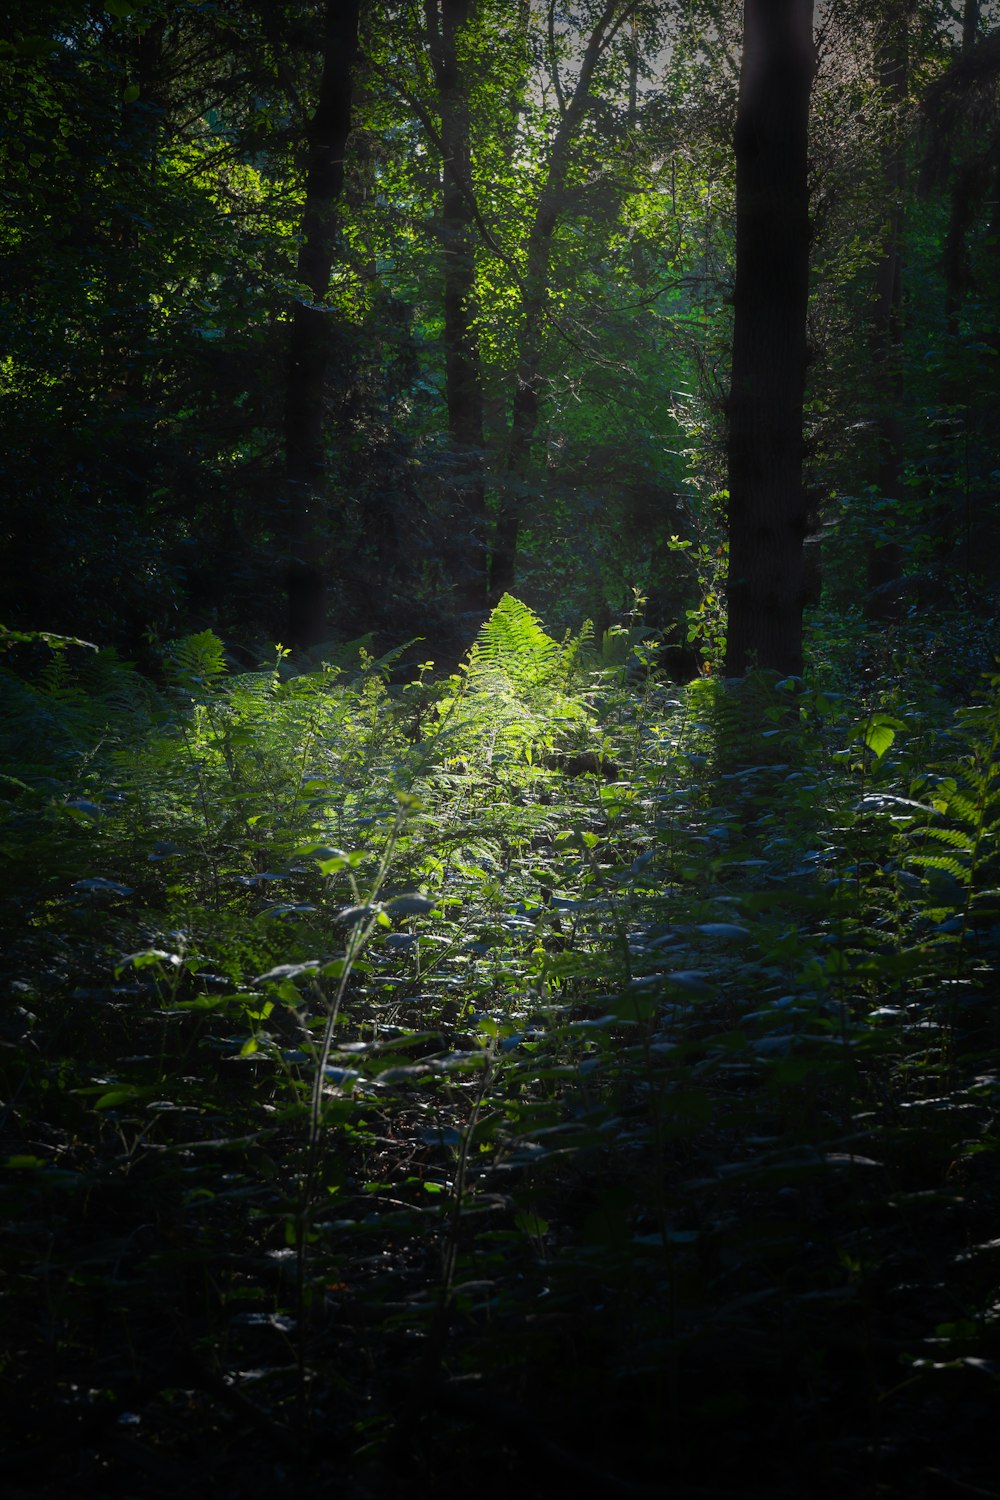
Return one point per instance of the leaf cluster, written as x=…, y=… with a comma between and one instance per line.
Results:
x=379, y=1062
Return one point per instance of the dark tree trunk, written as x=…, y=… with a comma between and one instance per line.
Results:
x=534, y=299
x=964, y=199
x=885, y=555
x=768, y=508
x=525, y=403
x=140, y=55
x=970, y=24
x=131, y=282
x=310, y=342
x=463, y=379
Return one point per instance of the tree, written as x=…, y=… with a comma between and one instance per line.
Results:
x=535, y=173
x=535, y=290
x=768, y=510
x=445, y=21
x=309, y=342
x=961, y=114
x=885, y=555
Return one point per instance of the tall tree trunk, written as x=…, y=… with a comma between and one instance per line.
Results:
x=965, y=196
x=970, y=24
x=885, y=555
x=130, y=282
x=309, y=344
x=140, y=55
x=534, y=297
x=768, y=510
x=463, y=379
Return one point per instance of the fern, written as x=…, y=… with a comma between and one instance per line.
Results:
x=940, y=862
x=512, y=648
x=195, y=663
x=966, y=845
x=47, y=725
x=517, y=689
x=958, y=838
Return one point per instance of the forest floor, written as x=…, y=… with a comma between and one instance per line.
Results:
x=522, y=1081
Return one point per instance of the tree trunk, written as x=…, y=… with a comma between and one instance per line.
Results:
x=768, y=510
x=970, y=24
x=885, y=555
x=309, y=344
x=964, y=198
x=140, y=55
x=463, y=379
x=534, y=298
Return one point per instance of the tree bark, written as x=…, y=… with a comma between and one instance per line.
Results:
x=309, y=343
x=885, y=555
x=535, y=291
x=140, y=55
x=445, y=21
x=967, y=191
x=768, y=509
x=970, y=24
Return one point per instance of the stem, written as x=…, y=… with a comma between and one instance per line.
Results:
x=356, y=944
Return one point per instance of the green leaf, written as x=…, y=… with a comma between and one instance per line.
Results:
x=878, y=738
x=691, y=980
x=150, y=958
x=532, y=1224
x=411, y=904
x=124, y=1095
x=97, y=885
x=878, y=732
x=353, y=916
x=288, y=971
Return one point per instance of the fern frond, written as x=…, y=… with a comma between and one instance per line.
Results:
x=956, y=837
x=253, y=686
x=512, y=644
x=195, y=662
x=961, y=806
x=122, y=693
x=939, y=862
x=513, y=693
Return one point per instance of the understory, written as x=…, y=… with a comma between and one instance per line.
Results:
x=540, y=1075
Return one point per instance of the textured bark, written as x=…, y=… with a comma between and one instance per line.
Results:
x=445, y=20
x=970, y=24
x=885, y=556
x=140, y=56
x=526, y=398
x=309, y=344
x=768, y=508
x=967, y=191
x=883, y=600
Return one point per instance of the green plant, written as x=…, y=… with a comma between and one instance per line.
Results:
x=367, y=1038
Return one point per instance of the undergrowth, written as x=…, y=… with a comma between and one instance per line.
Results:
x=398, y=1081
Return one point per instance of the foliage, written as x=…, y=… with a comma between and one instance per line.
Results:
x=155, y=159
x=404, y=1074
x=386, y=1075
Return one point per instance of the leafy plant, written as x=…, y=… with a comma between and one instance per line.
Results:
x=512, y=1026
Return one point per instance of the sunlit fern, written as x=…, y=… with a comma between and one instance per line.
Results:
x=517, y=687
x=957, y=854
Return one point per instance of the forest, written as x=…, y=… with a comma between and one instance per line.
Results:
x=499, y=726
